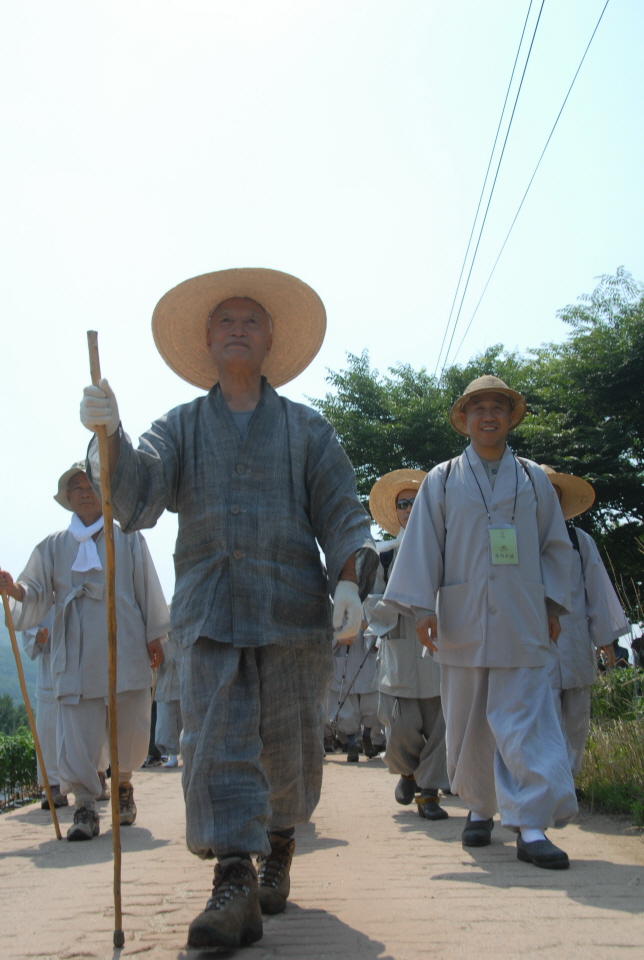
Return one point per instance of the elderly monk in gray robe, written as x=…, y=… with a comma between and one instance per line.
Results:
x=67, y=570
x=485, y=568
x=409, y=678
x=256, y=480
x=595, y=620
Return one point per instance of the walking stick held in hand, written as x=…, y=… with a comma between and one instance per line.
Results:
x=110, y=591
x=32, y=722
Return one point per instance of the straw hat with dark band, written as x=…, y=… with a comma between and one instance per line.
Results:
x=487, y=384
x=577, y=495
x=385, y=492
x=61, y=496
x=180, y=322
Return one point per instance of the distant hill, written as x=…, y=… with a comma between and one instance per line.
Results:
x=8, y=673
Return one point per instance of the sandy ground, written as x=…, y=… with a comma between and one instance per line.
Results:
x=370, y=881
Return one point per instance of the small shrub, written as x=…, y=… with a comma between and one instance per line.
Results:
x=618, y=695
x=612, y=777
x=17, y=767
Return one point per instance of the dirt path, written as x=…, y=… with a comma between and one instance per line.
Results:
x=370, y=881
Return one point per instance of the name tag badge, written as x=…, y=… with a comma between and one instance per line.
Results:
x=503, y=544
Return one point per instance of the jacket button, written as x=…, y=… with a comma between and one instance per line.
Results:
x=492, y=610
x=492, y=576
x=237, y=554
x=235, y=509
x=240, y=468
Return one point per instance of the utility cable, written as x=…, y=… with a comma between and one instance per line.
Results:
x=507, y=237
x=487, y=173
x=498, y=168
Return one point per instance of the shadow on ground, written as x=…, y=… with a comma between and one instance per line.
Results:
x=61, y=853
x=300, y=933
x=307, y=839
x=586, y=881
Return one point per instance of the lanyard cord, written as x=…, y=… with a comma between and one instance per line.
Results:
x=516, y=487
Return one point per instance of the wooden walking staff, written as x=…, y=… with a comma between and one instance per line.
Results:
x=32, y=722
x=110, y=591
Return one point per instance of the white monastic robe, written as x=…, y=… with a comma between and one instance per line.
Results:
x=488, y=616
x=79, y=635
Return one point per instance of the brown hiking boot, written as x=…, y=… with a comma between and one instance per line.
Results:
x=86, y=823
x=127, y=806
x=232, y=917
x=274, y=876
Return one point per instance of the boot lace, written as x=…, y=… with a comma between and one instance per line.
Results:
x=230, y=880
x=271, y=869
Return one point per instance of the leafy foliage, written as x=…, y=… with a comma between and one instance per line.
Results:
x=12, y=716
x=612, y=777
x=618, y=695
x=586, y=415
x=17, y=766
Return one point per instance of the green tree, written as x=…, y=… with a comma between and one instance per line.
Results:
x=12, y=716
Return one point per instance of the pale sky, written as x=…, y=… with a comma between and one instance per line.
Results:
x=343, y=141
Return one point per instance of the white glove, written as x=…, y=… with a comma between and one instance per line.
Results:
x=347, y=610
x=99, y=408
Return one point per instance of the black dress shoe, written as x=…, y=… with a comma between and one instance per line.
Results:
x=477, y=833
x=353, y=754
x=542, y=853
x=405, y=790
x=429, y=808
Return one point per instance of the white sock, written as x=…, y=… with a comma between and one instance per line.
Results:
x=476, y=817
x=530, y=834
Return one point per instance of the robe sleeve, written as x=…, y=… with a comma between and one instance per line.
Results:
x=606, y=618
x=554, y=543
x=148, y=592
x=338, y=519
x=145, y=481
x=418, y=571
x=37, y=582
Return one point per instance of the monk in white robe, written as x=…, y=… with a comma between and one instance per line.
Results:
x=67, y=570
x=485, y=568
x=596, y=619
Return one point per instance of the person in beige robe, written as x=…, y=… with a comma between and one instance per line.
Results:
x=409, y=702
x=485, y=568
x=67, y=571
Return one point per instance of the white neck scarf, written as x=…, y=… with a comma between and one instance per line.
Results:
x=87, y=557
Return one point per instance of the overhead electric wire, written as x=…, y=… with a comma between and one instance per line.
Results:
x=487, y=173
x=534, y=173
x=498, y=168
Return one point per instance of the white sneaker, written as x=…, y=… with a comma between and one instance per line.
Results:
x=171, y=761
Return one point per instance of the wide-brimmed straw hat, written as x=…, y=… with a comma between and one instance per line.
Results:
x=488, y=384
x=384, y=493
x=180, y=322
x=61, y=496
x=577, y=495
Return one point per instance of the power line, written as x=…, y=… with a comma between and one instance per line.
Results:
x=487, y=173
x=534, y=173
x=498, y=168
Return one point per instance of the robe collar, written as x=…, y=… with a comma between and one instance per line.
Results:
x=506, y=478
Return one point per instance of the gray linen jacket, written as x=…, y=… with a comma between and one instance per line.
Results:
x=248, y=568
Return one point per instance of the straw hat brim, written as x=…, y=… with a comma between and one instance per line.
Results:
x=577, y=495
x=180, y=321
x=61, y=496
x=519, y=407
x=382, y=499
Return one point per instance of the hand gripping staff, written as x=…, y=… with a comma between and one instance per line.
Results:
x=110, y=592
x=32, y=722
